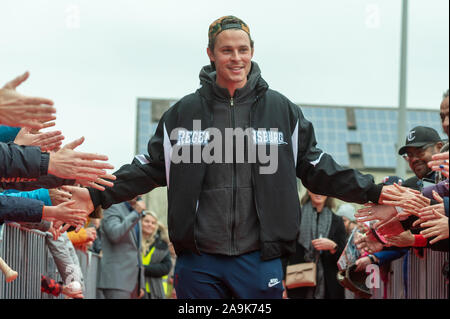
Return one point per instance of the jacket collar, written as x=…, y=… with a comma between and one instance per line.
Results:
x=255, y=85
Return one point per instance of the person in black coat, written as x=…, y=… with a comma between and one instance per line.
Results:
x=322, y=237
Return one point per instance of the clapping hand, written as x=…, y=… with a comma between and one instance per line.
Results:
x=382, y=213
x=408, y=199
x=427, y=213
x=367, y=242
x=440, y=163
x=65, y=212
x=58, y=196
x=405, y=239
x=437, y=227
x=97, y=184
x=49, y=141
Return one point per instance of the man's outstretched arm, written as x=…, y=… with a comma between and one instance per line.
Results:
x=321, y=174
x=145, y=173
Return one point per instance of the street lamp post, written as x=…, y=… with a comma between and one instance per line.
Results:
x=401, y=164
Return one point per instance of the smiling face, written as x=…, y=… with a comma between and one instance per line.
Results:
x=149, y=224
x=232, y=57
x=419, y=157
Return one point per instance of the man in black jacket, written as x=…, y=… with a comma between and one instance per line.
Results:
x=231, y=220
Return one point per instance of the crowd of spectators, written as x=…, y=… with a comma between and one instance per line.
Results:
x=412, y=216
x=34, y=169
x=35, y=166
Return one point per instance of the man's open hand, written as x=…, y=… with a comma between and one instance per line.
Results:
x=81, y=197
x=408, y=199
x=99, y=182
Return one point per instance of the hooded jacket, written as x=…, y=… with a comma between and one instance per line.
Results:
x=272, y=197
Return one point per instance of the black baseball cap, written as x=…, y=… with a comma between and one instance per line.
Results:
x=420, y=136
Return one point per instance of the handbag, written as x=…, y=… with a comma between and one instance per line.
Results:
x=301, y=275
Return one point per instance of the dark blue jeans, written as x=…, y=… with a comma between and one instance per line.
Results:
x=223, y=277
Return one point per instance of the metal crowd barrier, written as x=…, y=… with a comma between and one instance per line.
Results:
x=89, y=263
x=26, y=252
x=424, y=277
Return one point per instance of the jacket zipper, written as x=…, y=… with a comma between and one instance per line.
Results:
x=253, y=171
x=233, y=180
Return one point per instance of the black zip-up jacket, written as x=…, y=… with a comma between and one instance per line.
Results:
x=227, y=220
x=275, y=196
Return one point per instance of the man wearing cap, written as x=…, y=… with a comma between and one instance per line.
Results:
x=421, y=144
x=231, y=221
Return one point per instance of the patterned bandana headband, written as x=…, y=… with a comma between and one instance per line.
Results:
x=225, y=23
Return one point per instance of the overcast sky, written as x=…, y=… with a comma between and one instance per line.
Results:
x=95, y=58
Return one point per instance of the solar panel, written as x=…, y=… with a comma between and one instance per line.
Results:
x=376, y=130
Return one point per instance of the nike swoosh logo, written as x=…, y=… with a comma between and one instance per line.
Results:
x=271, y=284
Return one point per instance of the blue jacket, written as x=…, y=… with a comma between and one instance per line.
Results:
x=387, y=255
x=41, y=194
x=8, y=133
